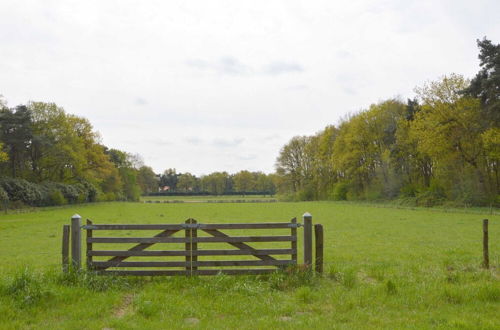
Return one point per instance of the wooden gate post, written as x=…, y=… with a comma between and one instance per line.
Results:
x=307, y=217
x=486, y=256
x=318, y=239
x=76, y=242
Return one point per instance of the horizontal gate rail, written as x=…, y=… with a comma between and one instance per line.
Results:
x=211, y=263
x=184, y=272
x=269, y=225
x=160, y=253
x=228, y=239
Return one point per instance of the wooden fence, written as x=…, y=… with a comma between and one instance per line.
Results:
x=187, y=260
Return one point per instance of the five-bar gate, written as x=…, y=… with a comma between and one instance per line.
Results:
x=190, y=248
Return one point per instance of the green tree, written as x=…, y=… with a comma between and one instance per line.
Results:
x=448, y=129
x=244, y=181
x=188, y=183
x=16, y=135
x=147, y=180
x=486, y=84
x=216, y=183
x=294, y=163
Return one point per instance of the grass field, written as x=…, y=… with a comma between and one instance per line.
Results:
x=209, y=198
x=385, y=268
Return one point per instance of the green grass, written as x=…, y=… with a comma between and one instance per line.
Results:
x=384, y=268
x=210, y=198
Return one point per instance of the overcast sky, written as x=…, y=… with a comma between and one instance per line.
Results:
x=205, y=85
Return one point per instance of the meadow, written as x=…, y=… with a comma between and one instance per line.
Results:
x=384, y=268
x=210, y=198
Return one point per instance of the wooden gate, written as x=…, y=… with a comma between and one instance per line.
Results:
x=189, y=248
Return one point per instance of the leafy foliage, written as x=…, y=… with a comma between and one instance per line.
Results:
x=442, y=145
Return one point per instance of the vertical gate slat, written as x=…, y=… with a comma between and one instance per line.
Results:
x=194, y=246
x=65, y=248
x=190, y=247
x=89, y=246
x=294, y=242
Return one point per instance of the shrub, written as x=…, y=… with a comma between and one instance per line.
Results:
x=408, y=190
x=69, y=192
x=340, y=191
x=4, y=198
x=434, y=195
x=23, y=191
x=107, y=197
x=305, y=194
x=90, y=191
x=57, y=198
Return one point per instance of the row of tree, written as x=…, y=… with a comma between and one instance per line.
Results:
x=218, y=183
x=51, y=157
x=444, y=145
x=47, y=156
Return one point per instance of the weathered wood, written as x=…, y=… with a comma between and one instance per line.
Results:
x=143, y=272
x=486, y=256
x=158, y=253
x=76, y=242
x=241, y=246
x=318, y=238
x=188, y=265
x=183, y=272
x=144, y=246
x=89, y=246
x=190, y=246
x=65, y=248
x=136, y=227
x=307, y=239
x=269, y=225
x=227, y=239
x=294, y=243
x=194, y=246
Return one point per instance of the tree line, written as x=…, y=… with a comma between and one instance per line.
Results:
x=50, y=157
x=218, y=183
x=442, y=146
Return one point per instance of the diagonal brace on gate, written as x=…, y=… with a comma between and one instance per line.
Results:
x=241, y=246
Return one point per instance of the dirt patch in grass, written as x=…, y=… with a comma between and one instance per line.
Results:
x=125, y=307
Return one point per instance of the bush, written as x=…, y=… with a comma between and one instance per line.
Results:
x=4, y=197
x=435, y=195
x=408, y=190
x=107, y=197
x=57, y=198
x=90, y=190
x=305, y=194
x=23, y=191
x=340, y=191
